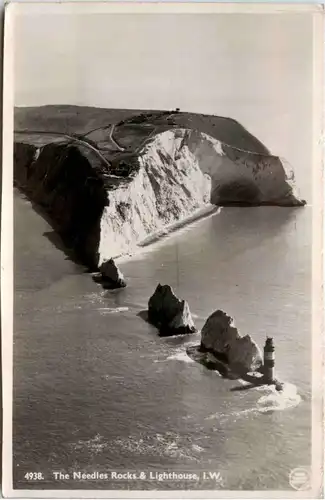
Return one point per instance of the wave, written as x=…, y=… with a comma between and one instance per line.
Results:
x=275, y=400
x=168, y=444
x=271, y=401
x=181, y=355
x=112, y=310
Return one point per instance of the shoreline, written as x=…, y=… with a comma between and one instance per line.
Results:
x=154, y=240
x=199, y=214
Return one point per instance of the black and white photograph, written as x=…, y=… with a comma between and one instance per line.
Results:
x=161, y=250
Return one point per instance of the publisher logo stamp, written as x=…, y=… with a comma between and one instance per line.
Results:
x=299, y=478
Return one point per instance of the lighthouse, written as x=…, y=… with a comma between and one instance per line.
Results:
x=269, y=358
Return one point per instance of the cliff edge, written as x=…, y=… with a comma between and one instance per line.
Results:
x=107, y=179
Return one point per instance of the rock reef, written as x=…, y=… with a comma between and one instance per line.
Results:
x=169, y=314
x=220, y=338
x=108, y=179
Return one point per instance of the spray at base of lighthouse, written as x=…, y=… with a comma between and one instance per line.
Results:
x=269, y=361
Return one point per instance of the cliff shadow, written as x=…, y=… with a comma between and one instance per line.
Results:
x=144, y=315
x=63, y=183
x=55, y=238
x=69, y=253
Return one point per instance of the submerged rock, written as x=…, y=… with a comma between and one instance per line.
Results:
x=221, y=338
x=108, y=189
x=110, y=275
x=169, y=314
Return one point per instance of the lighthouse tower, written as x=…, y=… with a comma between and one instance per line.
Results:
x=269, y=359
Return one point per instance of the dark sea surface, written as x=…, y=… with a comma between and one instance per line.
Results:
x=97, y=390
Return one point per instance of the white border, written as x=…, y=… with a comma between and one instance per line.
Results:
x=159, y=7
x=7, y=239
x=317, y=262
x=7, y=252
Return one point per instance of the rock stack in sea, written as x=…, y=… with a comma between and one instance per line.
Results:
x=169, y=314
x=220, y=338
x=109, y=275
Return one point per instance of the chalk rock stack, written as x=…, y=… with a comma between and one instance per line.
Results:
x=110, y=275
x=169, y=314
x=221, y=338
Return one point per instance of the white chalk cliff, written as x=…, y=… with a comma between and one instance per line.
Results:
x=180, y=172
x=160, y=168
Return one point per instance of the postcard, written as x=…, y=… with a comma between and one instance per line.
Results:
x=161, y=257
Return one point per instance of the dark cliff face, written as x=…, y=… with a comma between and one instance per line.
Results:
x=60, y=180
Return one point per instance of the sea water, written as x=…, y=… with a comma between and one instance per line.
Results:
x=97, y=390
